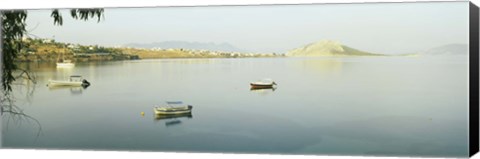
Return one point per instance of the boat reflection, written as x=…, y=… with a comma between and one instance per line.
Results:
x=263, y=91
x=171, y=120
x=272, y=89
x=74, y=90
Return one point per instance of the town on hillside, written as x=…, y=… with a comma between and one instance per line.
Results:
x=49, y=50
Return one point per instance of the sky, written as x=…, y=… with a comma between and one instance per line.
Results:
x=388, y=28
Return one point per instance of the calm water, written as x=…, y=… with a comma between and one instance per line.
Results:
x=347, y=106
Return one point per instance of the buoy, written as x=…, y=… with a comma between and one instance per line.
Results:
x=142, y=113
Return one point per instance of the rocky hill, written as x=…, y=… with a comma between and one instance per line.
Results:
x=328, y=48
x=450, y=49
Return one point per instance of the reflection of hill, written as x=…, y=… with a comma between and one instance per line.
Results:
x=38, y=66
x=191, y=61
x=45, y=71
x=321, y=66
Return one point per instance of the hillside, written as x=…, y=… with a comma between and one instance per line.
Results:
x=225, y=47
x=328, y=48
x=51, y=51
x=450, y=49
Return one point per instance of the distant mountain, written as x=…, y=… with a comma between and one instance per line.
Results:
x=450, y=49
x=328, y=48
x=187, y=45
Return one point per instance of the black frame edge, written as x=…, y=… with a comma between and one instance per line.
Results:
x=474, y=79
x=1, y=74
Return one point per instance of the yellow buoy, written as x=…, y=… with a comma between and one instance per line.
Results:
x=142, y=113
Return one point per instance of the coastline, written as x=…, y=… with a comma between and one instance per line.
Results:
x=46, y=50
x=118, y=57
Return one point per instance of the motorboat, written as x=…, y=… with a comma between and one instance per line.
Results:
x=176, y=107
x=74, y=81
x=261, y=84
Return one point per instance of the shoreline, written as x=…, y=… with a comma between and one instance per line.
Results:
x=50, y=51
x=125, y=57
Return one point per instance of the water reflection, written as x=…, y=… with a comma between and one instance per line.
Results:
x=38, y=66
x=74, y=90
x=324, y=66
x=171, y=120
x=12, y=113
x=48, y=70
x=177, y=61
x=263, y=91
x=240, y=122
x=191, y=61
x=64, y=72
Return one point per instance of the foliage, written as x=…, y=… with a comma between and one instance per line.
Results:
x=13, y=30
x=81, y=14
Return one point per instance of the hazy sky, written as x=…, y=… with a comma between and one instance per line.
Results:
x=376, y=27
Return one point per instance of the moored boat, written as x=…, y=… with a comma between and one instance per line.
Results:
x=173, y=108
x=74, y=80
x=261, y=84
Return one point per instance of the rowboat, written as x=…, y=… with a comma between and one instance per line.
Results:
x=261, y=84
x=74, y=81
x=171, y=108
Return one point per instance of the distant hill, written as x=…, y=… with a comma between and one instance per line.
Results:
x=187, y=45
x=450, y=49
x=328, y=48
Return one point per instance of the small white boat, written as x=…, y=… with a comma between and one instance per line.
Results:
x=171, y=108
x=74, y=80
x=261, y=84
x=65, y=64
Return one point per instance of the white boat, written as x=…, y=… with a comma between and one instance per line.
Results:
x=262, y=84
x=171, y=108
x=65, y=64
x=74, y=80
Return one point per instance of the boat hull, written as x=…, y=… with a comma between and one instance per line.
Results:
x=172, y=116
x=172, y=111
x=261, y=86
x=53, y=83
